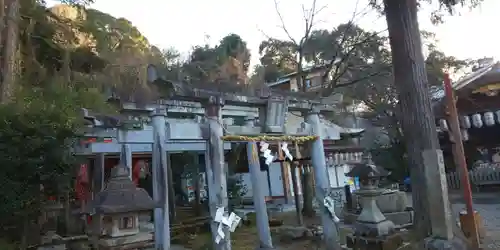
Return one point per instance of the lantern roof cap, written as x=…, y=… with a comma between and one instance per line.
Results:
x=366, y=169
x=121, y=195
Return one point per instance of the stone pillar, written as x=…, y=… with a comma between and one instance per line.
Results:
x=330, y=230
x=126, y=154
x=440, y=215
x=265, y=241
x=160, y=181
x=216, y=174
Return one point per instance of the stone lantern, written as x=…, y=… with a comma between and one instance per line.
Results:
x=118, y=208
x=372, y=230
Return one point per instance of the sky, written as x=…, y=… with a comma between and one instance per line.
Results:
x=182, y=24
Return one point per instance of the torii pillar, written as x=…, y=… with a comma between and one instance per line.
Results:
x=216, y=174
x=330, y=231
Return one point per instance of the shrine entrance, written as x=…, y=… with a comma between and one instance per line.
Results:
x=479, y=117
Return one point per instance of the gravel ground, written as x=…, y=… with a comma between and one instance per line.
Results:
x=488, y=206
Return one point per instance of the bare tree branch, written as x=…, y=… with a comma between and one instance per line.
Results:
x=309, y=18
x=352, y=82
x=282, y=20
x=332, y=84
x=334, y=61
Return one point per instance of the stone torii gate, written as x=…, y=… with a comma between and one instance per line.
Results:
x=273, y=108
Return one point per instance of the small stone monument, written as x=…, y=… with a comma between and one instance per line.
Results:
x=372, y=230
x=118, y=208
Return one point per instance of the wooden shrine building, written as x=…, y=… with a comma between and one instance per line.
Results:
x=478, y=104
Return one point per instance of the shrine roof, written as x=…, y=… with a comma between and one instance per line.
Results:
x=467, y=85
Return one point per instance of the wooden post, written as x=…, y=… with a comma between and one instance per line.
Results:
x=285, y=168
x=170, y=188
x=459, y=157
x=259, y=202
x=160, y=181
x=309, y=166
x=259, y=197
x=197, y=188
x=98, y=185
x=330, y=231
x=216, y=174
x=295, y=184
x=98, y=172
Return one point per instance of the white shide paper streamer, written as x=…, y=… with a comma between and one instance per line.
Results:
x=232, y=221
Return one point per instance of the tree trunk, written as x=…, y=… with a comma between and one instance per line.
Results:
x=10, y=51
x=417, y=118
x=295, y=184
x=25, y=232
x=2, y=26
x=307, y=191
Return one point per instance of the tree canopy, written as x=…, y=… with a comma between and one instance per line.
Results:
x=226, y=63
x=58, y=60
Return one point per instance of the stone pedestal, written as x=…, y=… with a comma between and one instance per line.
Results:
x=389, y=201
x=371, y=222
x=392, y=203
x=136, y=241
x=390, y=242
x=400, y=219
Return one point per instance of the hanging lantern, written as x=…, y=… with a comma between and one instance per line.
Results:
x=443, y=124
x=465, y=122
x=343, y=157
x=465, y=134
x=330, y=161
x=497, y=113
x=477, y=121
x=337, y=158
x=489, y=119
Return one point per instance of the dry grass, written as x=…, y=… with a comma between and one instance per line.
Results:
x=246, y=238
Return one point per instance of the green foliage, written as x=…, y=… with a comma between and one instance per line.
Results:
x=45, y=37
x=35, y=137
x=37, y=132
x=278, y=58
x=236, y=190
x=110, y=52
x=393, y=158
x=347, y=53
x=5, y=245
x=437, y=16
x=226, y=63
x=112, y=34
